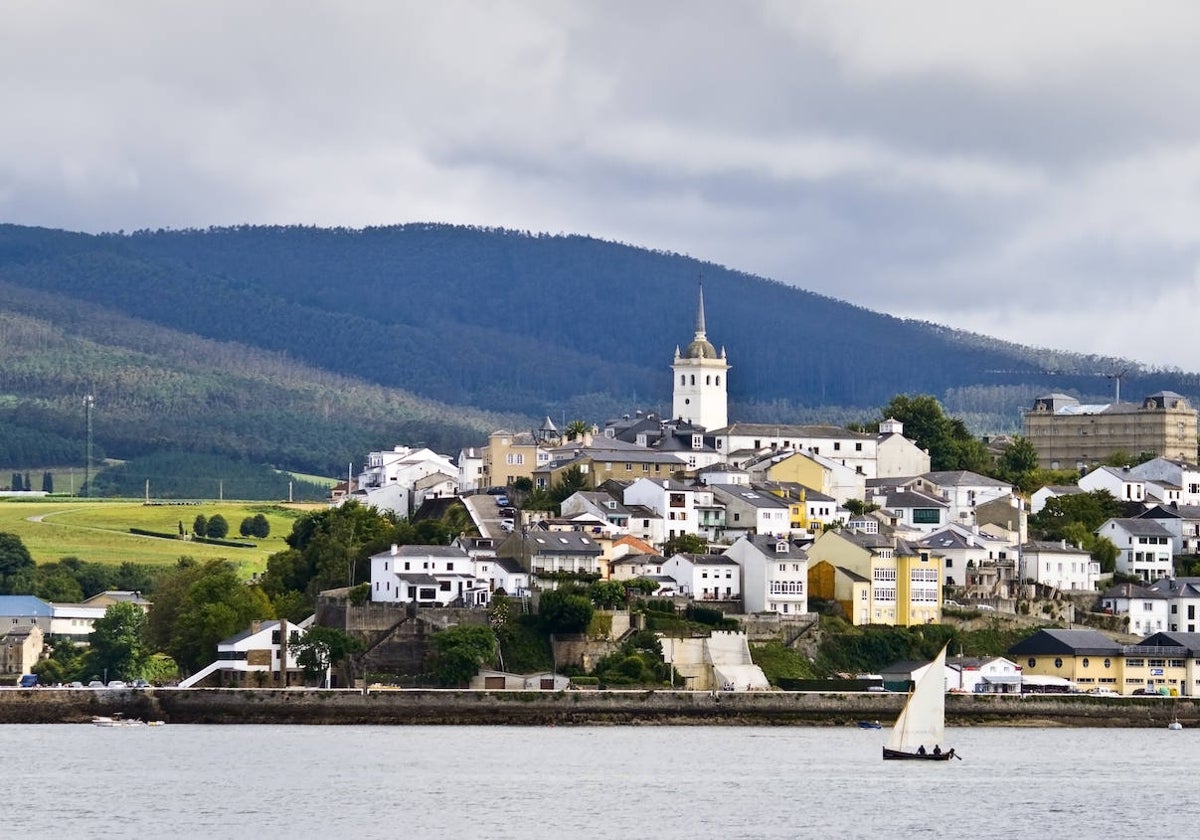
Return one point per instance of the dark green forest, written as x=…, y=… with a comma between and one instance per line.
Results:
x=304, y=348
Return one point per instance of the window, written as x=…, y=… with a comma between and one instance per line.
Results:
x=926, y=516
x=515, y=459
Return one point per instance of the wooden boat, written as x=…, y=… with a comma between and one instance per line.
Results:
x=921, y=727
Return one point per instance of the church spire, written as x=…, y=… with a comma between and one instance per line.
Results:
x=700, y=332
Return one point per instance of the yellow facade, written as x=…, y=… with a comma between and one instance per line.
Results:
x=904, y=588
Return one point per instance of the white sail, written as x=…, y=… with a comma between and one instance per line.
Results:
x=923, y=721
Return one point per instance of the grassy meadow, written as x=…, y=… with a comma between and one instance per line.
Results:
x=98, y=530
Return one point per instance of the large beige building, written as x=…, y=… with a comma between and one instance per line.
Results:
x=1070, y=435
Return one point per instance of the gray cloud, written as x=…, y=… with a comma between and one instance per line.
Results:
x=1026, y=171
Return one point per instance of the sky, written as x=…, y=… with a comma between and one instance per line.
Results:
x=1026, y=170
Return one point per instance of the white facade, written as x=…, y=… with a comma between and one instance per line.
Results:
x=1146, y=608
x=1183, y=602
x=470, y=470
x=896, y=455
x=392, y=481
x=1180, y=474
x=1145, y=546
x=433, y=575
x=700, y=394
x=1123, y=484
x=963, y=491
x=675, y=503
x=774, y=575
x=1060, y=565
x=855, y=450
x=960, y=549
x=995, y=675
x=705, y=577
x=752, y=511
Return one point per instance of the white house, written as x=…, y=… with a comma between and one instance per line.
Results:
x=470, y=470
x=749, y=510
x=774, y=574
x=705, y=577
x=983, y=675
x=401, y=479
x=598, y=504
x=507, y=574
x=671, y=500
x=1060, y=565
x=430, y=575
x=1183, y=521
x=1147, y=609
x=896, y=455
x=1038, y=499
x=963, y=490
x=856, y=450
x=1145, y=547
x=1123, y=483
x=915, y=510
x=963, y=549
x=1183, y=602
x=1179, y=474
x=255, y=657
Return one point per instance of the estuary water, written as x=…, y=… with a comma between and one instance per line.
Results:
x=183, y=781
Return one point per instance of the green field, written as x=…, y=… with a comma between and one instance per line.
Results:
x=98, y=531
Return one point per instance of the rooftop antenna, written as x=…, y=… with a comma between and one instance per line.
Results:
x=1117, y=377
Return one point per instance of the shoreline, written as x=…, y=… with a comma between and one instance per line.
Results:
x=658, y=707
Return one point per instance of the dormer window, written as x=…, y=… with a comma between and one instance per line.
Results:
x=697, y=441
x=781, y=547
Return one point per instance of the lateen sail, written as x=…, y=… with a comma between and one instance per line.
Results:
x=923, y=721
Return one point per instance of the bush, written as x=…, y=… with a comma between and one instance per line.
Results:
x=217, y=528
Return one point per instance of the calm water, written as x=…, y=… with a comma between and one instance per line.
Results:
x=81, y=781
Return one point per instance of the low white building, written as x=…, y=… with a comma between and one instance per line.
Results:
x=430, y=575
x=1183, y=602
x=1060, y=565
x=983, y=675
x=1147, y=609
x=1123, y=483
x=673, y=501
x=255, y=657
x=401, y=479
x=705, y=577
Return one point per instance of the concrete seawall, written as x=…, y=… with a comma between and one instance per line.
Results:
x=533, y=708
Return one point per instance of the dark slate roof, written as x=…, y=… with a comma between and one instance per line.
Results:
x=510, y=565
x=1067, y=643
x=1141, y=527
x=1179, y=587
x=418, y=579
x=775, y=430
x=1132, y=590
x=963, y=478
x=710, y=560
x=451, y=551
x=913, y=499
x=564, y=542
x=766, y=544
x=1050, y=546
x=1169, y=638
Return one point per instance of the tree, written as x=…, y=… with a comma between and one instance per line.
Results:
x=260, y=527
x=16, y=566
x=1090, y=510
x=47, y=482
x=244, y=528
x=460, y=651
x=200, y=525
x=17, y=484
x=685, y=544
x=217, y=528
x=117, y=642
x=859, y=508
x=607, y=594
x=565, y=610
x=320, y=648
x=198, y=605
x=572, y=480
x=948, y=441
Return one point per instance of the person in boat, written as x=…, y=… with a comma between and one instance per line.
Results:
x=921, y=750
x=951, y=753
x=937, y=750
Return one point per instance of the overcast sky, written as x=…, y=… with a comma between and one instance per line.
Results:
x=1027, y=170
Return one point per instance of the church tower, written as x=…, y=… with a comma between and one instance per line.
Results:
x=700, y=382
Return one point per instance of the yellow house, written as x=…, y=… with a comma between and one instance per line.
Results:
x=1085, y=658
x=834, y=583
x=905, y=585
x=511, y=455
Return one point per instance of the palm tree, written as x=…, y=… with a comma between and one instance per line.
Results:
x=576, y=429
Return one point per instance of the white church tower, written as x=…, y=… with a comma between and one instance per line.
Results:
x=700, y=382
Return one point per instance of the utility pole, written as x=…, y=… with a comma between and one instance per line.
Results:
x=88, y=401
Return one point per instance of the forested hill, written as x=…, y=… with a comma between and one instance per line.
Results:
x=500, y=321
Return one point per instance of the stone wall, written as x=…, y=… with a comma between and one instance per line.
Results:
x=396, y=707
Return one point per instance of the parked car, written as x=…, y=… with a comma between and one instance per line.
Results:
x=139, y=684
x=95, y=684
x=76, y=684
x=28, y=681
x=117, y=684
x=1103, y=691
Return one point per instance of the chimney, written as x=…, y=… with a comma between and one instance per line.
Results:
x=1064, y=545
x=395, y=549
x=255, y=626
